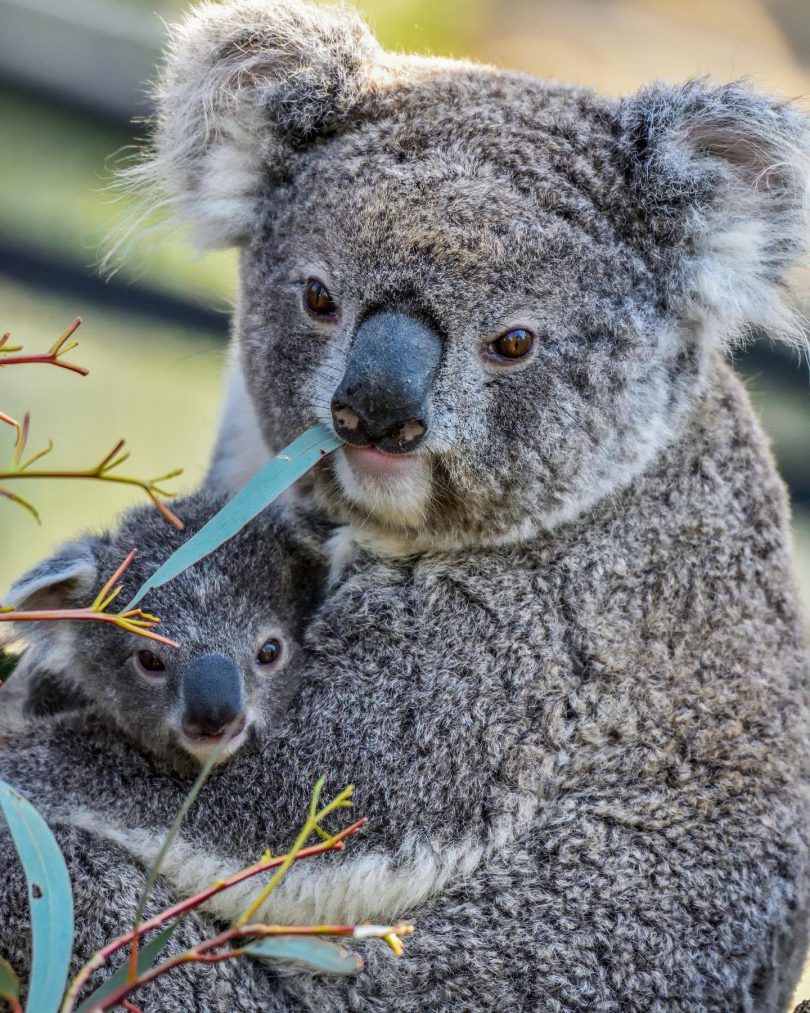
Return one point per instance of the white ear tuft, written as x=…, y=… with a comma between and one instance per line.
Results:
x=66, y=578
x=245, y=82
x=723, y=175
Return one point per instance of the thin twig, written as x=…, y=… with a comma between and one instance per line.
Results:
x=184, y=907
x=20, y=501
x=202, y=952
x=101, y=472
x=154, y=871
x=132, y=621
x=310, y=827
x=135, y=621
x=53, y=357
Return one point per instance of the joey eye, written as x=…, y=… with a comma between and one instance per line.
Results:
x=318, y=300
x=150, y=662
x=512, y=345
x=269, y=652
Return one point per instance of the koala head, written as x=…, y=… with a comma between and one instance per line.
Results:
x=502, y=293
x=237, y=616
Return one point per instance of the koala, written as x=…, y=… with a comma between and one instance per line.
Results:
x=109, y=723
x=237, y=616
x=563, y=658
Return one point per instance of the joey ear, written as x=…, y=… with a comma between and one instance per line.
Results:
x=244, y=82
x=67, y=579
x=721, y=175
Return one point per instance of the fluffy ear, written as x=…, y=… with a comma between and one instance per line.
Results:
x=244, y=82
x=64, y=580
x=68, y=579
x=721, y=175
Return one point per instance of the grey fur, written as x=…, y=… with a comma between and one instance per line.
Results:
x=116, y=742
x=262, y=587
x=107, y=884
x=564, y=661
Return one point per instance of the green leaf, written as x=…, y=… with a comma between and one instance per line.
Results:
x=147, y=955
x=8, y=662
x=316, y=953
x=174, y=829
x=9, y=982
x=275, y=477
x=49, y=897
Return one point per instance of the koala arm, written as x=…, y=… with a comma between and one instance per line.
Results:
x=585, y=914
x=106, y=887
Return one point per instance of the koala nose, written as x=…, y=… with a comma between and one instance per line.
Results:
x=213, y=697
x=384, y=395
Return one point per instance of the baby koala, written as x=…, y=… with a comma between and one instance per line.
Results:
x=237, y=616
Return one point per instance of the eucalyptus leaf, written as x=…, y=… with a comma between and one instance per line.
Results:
x=147, y=955
x=9, y=982
x=276, y=476
x=50, y=900
x=319, y=954
x=8, y=662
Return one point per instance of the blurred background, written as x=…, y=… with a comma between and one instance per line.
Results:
x=72, y=76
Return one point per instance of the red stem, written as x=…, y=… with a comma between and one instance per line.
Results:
x=118, y=573
x=81, y=615
x=200, y=953
x=183, y=907
x=43, y=359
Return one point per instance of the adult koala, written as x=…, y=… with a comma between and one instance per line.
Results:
x=563, y=659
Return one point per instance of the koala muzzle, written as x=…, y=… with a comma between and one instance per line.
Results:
x=383, y=398
x=213, y=697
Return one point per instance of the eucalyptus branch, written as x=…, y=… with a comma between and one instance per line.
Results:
x=20, y=501
x=53, y=357
x=103, y=471
x=310, y=827
x=203, y=952
x=181, y=909
x=132, y=621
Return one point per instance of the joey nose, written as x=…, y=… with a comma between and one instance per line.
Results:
x=213, y=697
x=384, y=396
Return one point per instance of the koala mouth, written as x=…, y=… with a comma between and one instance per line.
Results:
x=376, y=463
x=393, y=488
x=200, y=744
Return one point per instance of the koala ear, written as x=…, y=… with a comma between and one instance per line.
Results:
x=244, y=82
x=721, y=175
x=66, y=579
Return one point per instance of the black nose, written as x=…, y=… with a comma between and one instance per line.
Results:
x=384, y=395
x=213, y=696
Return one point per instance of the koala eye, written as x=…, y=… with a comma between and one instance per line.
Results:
x=269, y=652
x=512, y=345
x=318, y=300
x=150, y=662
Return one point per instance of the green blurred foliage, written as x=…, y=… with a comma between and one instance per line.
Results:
x=154, y=385
x=449, y=27
x=56, y=170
